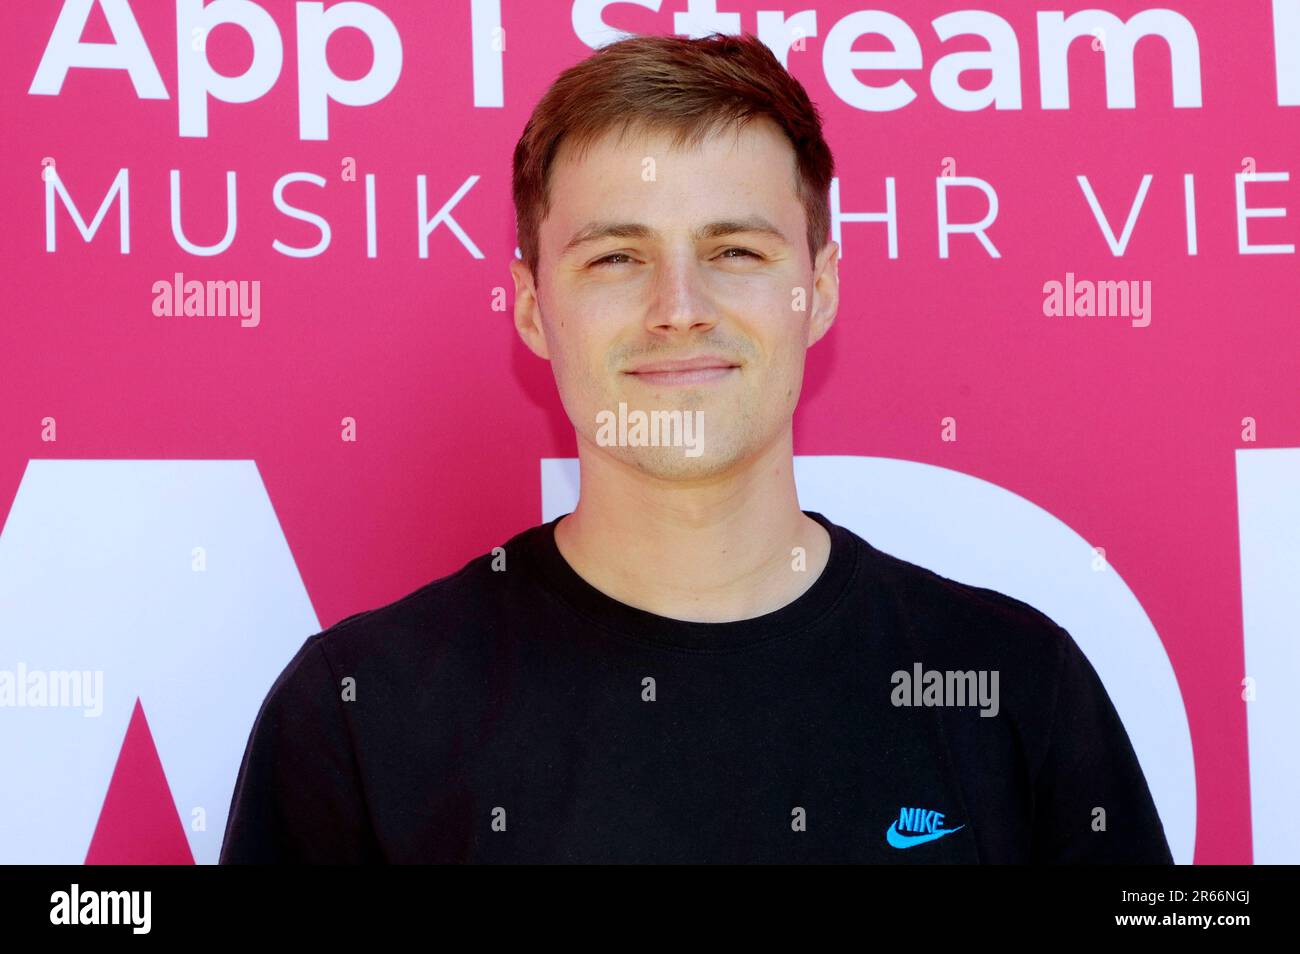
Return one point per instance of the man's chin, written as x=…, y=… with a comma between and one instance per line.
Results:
x=676, y=463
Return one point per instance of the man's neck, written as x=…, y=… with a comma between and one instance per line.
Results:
x=710, y=551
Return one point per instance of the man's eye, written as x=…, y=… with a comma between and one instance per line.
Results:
x=608, y=259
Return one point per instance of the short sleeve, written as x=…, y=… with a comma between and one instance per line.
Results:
x=1091, y=800
x=298, y=798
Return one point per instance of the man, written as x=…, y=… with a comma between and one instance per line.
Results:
x=688, y=667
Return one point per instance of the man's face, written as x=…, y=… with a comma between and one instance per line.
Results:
x=671, y=284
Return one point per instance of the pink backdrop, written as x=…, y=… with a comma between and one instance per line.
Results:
x=1126, y=433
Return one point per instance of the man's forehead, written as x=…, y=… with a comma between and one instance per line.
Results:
x=634, y=143
x=587, y=204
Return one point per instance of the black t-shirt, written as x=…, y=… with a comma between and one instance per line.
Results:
x=515, y=713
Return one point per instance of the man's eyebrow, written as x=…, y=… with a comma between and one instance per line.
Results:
x=600, y=230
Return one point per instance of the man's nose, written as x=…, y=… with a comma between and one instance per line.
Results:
x=682, y=300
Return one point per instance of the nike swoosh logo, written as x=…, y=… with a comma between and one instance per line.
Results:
x=899, y=840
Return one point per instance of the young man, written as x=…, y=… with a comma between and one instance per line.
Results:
x=688, y=667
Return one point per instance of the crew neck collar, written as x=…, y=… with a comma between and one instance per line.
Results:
x=641, y=625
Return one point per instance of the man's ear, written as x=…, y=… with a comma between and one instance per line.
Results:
x=826, y=292
x=528, y=310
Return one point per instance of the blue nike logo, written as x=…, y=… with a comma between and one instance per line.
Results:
x=925, y=823
x=899, y=840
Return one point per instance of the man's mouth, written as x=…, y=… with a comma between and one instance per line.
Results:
x=685, y=371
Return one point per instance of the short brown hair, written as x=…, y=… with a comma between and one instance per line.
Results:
x=689, y=87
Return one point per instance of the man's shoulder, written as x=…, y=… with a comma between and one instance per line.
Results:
x=948, y=612
x=955, y=626
x=457, y=604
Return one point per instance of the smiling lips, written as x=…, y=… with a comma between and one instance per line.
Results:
x=701, y=370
